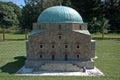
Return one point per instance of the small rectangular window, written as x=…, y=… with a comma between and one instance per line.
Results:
x=78, y=56
x=53, y=46
x=41, y=46
x=66, y=46
x=41, y=56
x=60, y=36
x=80, y=27
x=78, y=46
x=53, y=57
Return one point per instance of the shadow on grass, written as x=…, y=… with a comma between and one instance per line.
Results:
x=13, y=67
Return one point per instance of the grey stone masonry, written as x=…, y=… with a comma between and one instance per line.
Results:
x=68, y=43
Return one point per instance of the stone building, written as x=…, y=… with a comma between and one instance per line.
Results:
x=60, y=41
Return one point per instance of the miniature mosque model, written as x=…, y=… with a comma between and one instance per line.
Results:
x=60, y=41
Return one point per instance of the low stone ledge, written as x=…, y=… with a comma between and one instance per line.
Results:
x=29, y=72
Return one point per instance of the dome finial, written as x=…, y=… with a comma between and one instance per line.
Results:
x=60, y=3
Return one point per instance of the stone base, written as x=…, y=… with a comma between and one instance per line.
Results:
x=70, y=66
x=29, y=72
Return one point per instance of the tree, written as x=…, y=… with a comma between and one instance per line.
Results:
x=30, y=12
x=7, y=16
x=104, y=24
x=87, y=8
x=15, y=10
x=95, y=25
x=112, y=11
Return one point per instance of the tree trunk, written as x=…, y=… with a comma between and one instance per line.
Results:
x=103, y=33
x=3, y=34
x=26, y=34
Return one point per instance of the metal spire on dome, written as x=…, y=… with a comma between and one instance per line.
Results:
x=60, y=3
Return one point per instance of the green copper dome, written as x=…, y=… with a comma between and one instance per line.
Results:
x=59, y=14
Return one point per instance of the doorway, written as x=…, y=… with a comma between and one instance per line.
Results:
x=53, y=57
x=66, y=57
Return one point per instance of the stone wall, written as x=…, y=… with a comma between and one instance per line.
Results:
x=59, y=46
x=64, y=26
x=51, y=38
x=37, y=65
x=93, y=48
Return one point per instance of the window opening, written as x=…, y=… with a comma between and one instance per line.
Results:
x=78, y=56
x=41, y=46
x=53, y=57
x=78, y=46
x=41, y=56
x=53, y=46
x=80, y=27
x=66, y=46
x=66, y=57
x=60, y=36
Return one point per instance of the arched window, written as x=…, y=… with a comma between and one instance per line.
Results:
x=59, y=35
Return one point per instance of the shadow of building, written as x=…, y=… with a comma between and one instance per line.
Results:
x=13, y=67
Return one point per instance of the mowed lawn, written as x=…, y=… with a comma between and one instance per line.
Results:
x=110, y=35
x=12, y=59
x=10, y=36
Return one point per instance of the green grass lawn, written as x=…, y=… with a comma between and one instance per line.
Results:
x=10, y=36
x=12, y=59
x=110, y=35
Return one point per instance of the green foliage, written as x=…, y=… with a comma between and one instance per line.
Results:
x=33, y=8
x=94, y=25
x=87, y=8
x=111, y=9
x=12, y=15
x=12, y=58
x=30, y=12
x=95, y=8
x=8, y=18
x=17, y=11
x=9, y=15
x=99, y=25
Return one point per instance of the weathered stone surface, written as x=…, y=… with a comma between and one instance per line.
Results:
x=79, y=47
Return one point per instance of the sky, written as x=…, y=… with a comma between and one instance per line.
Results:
x=18, y=2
